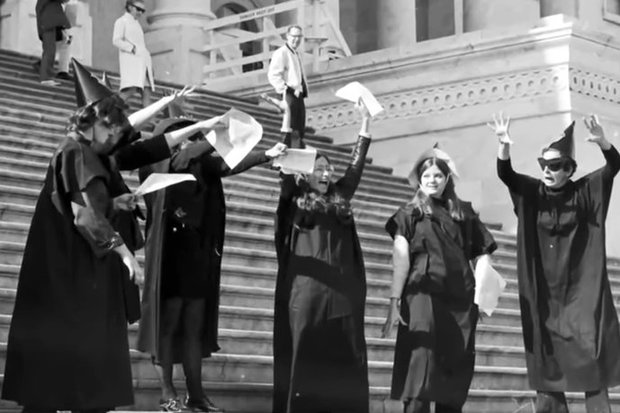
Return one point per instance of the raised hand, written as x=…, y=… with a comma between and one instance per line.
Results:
x=500, y=127
x=595, y=130
x=187, y=91
x=125, y=202
x=276, y=151
x=362, y=109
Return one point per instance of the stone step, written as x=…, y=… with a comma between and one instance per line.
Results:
x=249, y=184
x=262, y=175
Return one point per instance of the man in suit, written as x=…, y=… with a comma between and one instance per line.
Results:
x=286, y=75
x=51, y=25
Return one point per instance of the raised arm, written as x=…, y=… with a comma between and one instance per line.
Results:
x=516, y=183
x=140, y=118
x=597, y=136
x=217, y=165
x=347, y=185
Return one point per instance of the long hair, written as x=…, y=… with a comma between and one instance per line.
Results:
x=422, y=204
x=330, y=202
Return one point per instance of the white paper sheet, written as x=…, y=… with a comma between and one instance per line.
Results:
x=235, y=142
x=156, y=181
x=354, y=91
x=489, y=286
x=296, y=160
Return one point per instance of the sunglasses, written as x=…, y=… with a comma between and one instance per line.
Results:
x=554, y=165
x=138, y=9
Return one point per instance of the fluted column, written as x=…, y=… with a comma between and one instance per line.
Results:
x=175, y=38
x=490, y=14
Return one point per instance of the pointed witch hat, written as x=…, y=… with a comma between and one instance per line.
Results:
x=565, y=145
x=433, y=152
x=88, y=89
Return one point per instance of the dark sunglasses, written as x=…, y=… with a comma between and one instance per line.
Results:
x=139, y=9
x=554, y=165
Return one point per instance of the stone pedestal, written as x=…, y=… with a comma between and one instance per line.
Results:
x=175, y=38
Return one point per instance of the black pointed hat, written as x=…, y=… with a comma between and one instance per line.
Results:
x=88, y=89
x=565, y=145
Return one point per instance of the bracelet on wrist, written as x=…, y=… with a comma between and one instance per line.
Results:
x=115, y=241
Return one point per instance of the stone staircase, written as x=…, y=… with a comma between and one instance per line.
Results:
x=238, y=378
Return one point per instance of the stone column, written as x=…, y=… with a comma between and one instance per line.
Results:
x=396, y=23
x=18, y=27
x=175, y=38
x=551, y=7
x=491, y=14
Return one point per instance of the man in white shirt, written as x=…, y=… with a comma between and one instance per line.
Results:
x=286, y=75
x=133, y=56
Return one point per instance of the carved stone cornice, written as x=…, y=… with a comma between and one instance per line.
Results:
x=455, y=96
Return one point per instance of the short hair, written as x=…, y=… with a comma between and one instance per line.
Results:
x=294, y=26
x=130, y=3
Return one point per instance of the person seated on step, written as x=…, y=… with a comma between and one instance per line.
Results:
x=68, y=345
x=320, y=361
x=184, y=246
x=436, y=238
x=570, y=327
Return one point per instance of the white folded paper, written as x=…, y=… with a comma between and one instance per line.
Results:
x=489, y=286
x=156, y=181
x=235, y=142
x=296, y=160
x=354, y=91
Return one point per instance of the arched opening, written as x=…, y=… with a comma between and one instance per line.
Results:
x=248, y=48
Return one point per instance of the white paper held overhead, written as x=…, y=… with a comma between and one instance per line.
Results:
x=297, y=160
x=354, y=91
x=156, y=181
x=489, y=285
x=237, y=140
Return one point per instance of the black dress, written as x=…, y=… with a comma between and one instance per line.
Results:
x=570, y=326
x=435, y=351
x=325, y=272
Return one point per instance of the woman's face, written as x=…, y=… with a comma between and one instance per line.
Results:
x=433, y=181
x=105, y=136
x=321, y=176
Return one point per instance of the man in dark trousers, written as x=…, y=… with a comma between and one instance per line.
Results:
x=51, y=22
x=570, y=326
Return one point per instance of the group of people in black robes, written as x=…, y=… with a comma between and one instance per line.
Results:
x=68, y=345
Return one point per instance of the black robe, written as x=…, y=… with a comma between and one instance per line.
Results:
x=435, y=352
x=213, y=168
x=325, y=283
x=570, y=326
x=68, y=347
